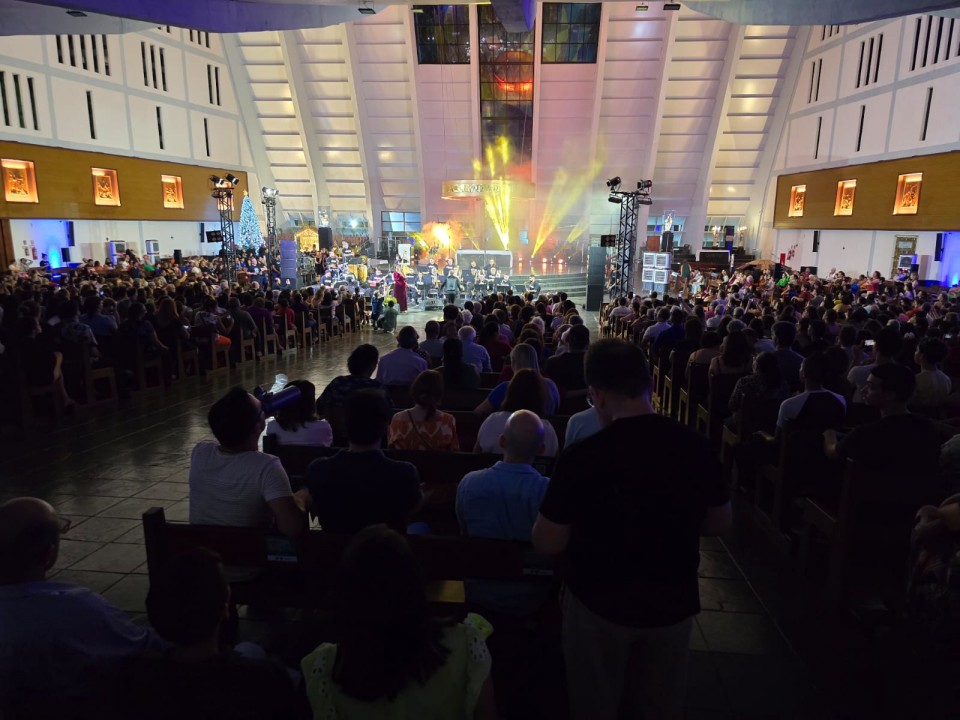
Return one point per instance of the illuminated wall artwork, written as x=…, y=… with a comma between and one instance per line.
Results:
x=798, y=196
x=19, y=181
x=846, y=191
x=908, y=194
x=106, y=189
x=172, y=191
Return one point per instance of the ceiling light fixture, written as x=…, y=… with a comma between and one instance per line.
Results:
x=642, y=8
x=366, y=9
x=613, y=182
x=671, y=6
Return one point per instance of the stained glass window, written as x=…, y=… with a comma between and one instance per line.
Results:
x=443, y=34
x=570, y=32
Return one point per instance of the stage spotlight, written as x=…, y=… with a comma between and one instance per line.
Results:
x=268, y=192
x=216, y=179
x=644, y=184
x=613, y=182
x=232, y=179
x=615, y=199
x=644, y=200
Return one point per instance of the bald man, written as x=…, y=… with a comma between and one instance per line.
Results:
x=501, y=502
x=51, y=633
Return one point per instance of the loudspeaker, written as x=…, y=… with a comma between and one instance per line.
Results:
x=202, y=235
x=214, y=236
x=938, y=251
x=178, y=254
x=915, y=268
x=594, y=297
x=777, y=271
x=65, y=252
x=68, y=226
x=812, y=269
x=816, y=241
x=326, y=238
x=596, y=265
x=608, y=241
x=666, y=242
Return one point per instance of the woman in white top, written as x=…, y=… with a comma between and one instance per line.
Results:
x=525, y=392
x=297, y=423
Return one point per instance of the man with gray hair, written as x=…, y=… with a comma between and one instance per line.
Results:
x=502, y=502
x=472, y=353
x=51, y=633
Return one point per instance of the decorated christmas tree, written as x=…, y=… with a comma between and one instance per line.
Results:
x=250, y=237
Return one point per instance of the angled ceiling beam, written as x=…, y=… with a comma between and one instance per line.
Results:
x=248, y=116
x=289, y=48
x=371, y=177
x=701, y=194
x=776, y=135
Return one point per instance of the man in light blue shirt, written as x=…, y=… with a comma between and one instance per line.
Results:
x=501, y=503
x=51, y=633
x=401, y=366
x=581, y=425
x=474, y=354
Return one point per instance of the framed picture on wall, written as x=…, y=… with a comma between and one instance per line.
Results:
x=106, y=189
x=19, y=181
x=798, y=196
x=846, y=193
x=908, y=194
x=172, y=191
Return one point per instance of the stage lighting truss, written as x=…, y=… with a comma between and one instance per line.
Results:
x=625, y=248
x=222, y=191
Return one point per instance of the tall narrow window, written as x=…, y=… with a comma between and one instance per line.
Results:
x=93, y=129
x=160, y=127
x=153, y=66
x=3, y=98
x=60, y=49
x=83, y=51
x=106, y=55
x=216, y=81
x=926, y=115
x=443, y=34
x=163, y=71
x=863, y=114
x=816, y=95
x=570, y=32
x=863, y=45
x=191, y=36
x=926, y=40
x=949, y=43
x=869, y=61
x=916, y=44
x=206, y=39
x=210, y=83
x=33, y=103
x=143, y=63
x=936, y=53
x=95, y=53
x=73, y=56
x=19, y=99
x=816, y=147
x=813, y=78
x=206, y=136
x=876, y=65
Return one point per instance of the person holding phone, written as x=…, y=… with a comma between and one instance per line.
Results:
x=886, y=347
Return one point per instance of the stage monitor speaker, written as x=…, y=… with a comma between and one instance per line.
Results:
x=596, y=266
x=326, y=238
x=65, y=253
x=666, y=241
x=938, y=251
x=178, y=254
x=608, y=241
x=71, y=239
x=594, y=297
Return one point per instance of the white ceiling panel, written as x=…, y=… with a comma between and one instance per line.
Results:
x=562, y=108
x=389, y=125
x=613, y=89
x=678, y=159
x=279, y=125
x=321, y=52
x=383, y=73
x=286, y=157
x=266, y=73
x=328, y=89
x=737, y=158
x=327, y=124
x=323, y=71
x=730, y=208
x=696, y=70
x=339, y=157
x=399, y=173
x=733, y=175
x=750, y=106
x=702, y=29
x=393, y=157
x=684, y=125
x=684, y=143
x=649, y=29
x=262, y=54
x=619, y=52
x=741, y=141
x=687, y=108
x=326, y=107
x=683, y=89
x=675, y=176
x=764, y=47
x=270, y=90
x=567, y=90
x=745, y=123
x=283, y=142
x=760, y=68
x=330, y=141
x=634, y=107
x=384, y=90
x=384, y=54
x=345, y=189
x=282, y=173
x=565, y=126
x=745, y=87
x=275, y=108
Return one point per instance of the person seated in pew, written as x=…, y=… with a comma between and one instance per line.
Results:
x=394, y=659
x=766, y=383
x=933, y=385
x=524, y=392
x=458, y=374
x=501, y=503
x=900, y=441
x=566, y=369
x=360, y=486
x=815, y=406
x=360, y=365
x=52, y=633
x=198, y=676
x=523, y=356
x=297, y=423
x=474, y=353
x=424, y=427
x=433, y=345
x=582, y=425
x=402, y=365
x=232, y=483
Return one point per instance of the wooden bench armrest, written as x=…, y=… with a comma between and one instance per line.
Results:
x=817, y=516
x=764, y=436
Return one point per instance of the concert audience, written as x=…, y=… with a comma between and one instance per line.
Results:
x=297, y=423
x=526, y=391
x=424, y=426
x=473, y=353
x=456, y=372
x=523, y=356
x=360, y=365
x=402, y=365
x=566, y=369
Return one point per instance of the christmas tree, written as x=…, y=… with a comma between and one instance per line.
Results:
x=250, y=237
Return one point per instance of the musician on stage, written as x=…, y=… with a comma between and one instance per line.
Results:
x=451, y=289
x=533, y=285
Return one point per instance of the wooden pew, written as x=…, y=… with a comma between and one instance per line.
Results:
x=716, y=404
x=301, y=574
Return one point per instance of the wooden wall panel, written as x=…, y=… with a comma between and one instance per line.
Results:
x=65, y=186
x=876, y=192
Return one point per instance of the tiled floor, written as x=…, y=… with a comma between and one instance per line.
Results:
x=104, y=468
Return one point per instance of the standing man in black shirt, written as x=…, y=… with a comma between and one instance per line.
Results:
x=630, y=532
